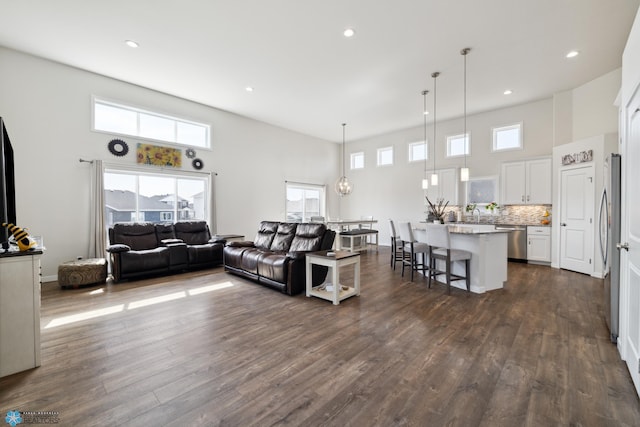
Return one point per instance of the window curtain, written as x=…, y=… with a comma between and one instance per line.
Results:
x=97, y=239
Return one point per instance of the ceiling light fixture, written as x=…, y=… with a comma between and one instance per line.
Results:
x=131, y=43
x=508, y=92
x=464, y=172
x=572, y=54
x=343, y=187
x=434, y=175
x=248, y=89
x=349, y=32
x=425, y=181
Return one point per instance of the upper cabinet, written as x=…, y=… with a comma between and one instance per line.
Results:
x=447, y=188
x=526, y=182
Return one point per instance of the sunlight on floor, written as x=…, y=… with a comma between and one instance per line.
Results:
x=65, y=320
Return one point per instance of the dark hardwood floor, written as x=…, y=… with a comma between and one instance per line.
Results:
x=180, y=351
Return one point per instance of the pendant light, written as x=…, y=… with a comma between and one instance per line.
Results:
x=425, y=181
x=464, y=172
x=343, y=187
x=434, y=175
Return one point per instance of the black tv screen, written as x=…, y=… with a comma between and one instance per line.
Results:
x=7, y=185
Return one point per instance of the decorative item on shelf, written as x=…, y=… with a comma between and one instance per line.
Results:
x=21, y=237
x=545, y=218
x=118, y=147
x=436, y=211
x=464, y=171
x=191, y=153
x=470, y=207
x=343, y=187
x=493, y=206
x=425, y=181
x=197, y=164
x=434, y=175
x=159, y=156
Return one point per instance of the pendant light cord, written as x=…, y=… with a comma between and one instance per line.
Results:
x=424, y=115
x=464, y=53
x=434, y=75
x=343, y=153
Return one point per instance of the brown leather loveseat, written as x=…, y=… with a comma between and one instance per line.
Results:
x=144, y=249
x=276, y=257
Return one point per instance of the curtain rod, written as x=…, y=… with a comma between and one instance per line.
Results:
x=85, y=161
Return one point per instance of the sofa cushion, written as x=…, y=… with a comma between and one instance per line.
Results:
x=284, y=236
x=273, y=266
x=165, y=232
x=192, y=232
x=308, y=237
x=144, y=260
x=265, y=235
x=138, y=236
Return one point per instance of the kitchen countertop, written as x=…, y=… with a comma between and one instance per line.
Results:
x=469, y=229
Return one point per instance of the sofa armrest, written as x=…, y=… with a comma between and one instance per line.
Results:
x=240, y=244
x=297, y=255
x=116, y=249
x=168, y=242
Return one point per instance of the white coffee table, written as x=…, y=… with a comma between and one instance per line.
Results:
x=335, y=293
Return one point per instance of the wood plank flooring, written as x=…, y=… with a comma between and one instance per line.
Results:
x=208, y=348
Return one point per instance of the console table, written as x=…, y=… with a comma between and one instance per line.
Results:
x=338, y=292
x=19, y=311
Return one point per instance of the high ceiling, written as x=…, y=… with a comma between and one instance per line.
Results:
x=307, y=76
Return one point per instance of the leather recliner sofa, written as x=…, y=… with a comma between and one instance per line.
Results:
x=144, y=249
x=276, y=257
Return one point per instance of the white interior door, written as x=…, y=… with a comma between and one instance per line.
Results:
x=630, y=236
x=576, y=219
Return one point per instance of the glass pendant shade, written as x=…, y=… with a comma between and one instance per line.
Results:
x=343, y=187
x=434, y=179
x=464, y=174
x=425, y=184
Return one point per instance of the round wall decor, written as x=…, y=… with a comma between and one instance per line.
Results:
x=191, y=153
x=197, y=164
x=118, y=147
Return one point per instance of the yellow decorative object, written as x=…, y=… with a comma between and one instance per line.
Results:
x=546, y=213
x=22, y=237
x=149, y=154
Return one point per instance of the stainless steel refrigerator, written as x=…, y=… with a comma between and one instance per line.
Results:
x=609, y=219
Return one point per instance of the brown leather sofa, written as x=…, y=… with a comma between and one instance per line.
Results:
x=276, y=257
x=144, y=249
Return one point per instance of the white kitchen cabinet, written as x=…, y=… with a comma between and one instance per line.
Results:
x=447, y=188
x=539, y=244
x=526, y=182
x=19, y=312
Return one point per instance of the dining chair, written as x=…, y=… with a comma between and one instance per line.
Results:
x=439, y=241
x=396, y=245
x=411, y=248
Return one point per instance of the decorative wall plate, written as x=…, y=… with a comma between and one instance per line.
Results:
x=197, y=164
x=118, y=147
x=191, y=153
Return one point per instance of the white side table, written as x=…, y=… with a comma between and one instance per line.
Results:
x=338, y=292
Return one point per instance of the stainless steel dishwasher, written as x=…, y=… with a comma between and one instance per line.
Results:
x=516, y=241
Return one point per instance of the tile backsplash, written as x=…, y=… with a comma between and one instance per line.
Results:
x=510, y=214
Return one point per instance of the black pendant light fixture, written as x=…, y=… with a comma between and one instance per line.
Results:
x=464, y=172
x=343, y=187
x=425, y=181
x=434, y=175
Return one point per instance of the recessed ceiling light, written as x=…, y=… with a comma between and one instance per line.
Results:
x=573, y=54
x=248, y=89
x=131, y=43
x=349, y=32
x=508, y=92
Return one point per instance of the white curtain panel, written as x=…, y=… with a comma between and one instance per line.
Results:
x=97, y=240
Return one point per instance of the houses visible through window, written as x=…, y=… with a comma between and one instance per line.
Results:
x=385, y=156
x=458, y=145
x=304, y=201
x=357, y=160
x=126, y=120
x=131, y=196
x=507, y=137
x=418, y=151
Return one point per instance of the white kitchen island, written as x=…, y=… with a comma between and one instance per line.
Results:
x=488, y=247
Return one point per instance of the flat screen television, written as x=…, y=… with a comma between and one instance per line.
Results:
x=7, y=185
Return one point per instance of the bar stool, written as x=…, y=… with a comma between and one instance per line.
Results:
x=440, y=248
x=396, y=245
x=412, y=247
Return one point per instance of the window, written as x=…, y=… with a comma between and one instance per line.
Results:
x=385, y=156
x=481, y=192
x=357, y=160
x=133, y=196
x=458, y=145
x=507, y=137
x=121, y=119
x=418, y=151
x=304, y=201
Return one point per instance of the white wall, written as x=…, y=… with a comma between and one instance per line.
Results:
x=47, y=109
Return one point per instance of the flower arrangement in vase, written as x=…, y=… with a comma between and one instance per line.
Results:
x=437, y=210
x=493, y=206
